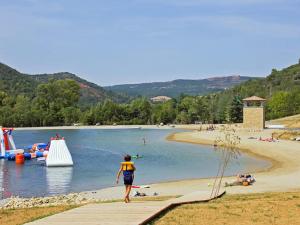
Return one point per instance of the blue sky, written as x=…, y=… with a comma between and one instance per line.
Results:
x=132, y=41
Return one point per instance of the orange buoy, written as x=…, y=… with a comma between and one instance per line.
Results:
x=19, y=158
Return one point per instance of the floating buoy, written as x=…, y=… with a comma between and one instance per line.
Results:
x=39, y=154
x=27, y=156
x=11, y=157
x=20, y=159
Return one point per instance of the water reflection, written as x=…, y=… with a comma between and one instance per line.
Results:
x=59, y=179
x=4, y=181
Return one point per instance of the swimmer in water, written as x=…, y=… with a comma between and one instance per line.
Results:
x=144, y=140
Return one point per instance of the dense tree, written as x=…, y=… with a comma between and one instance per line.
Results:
x=164, y=112
x=140, y=111
x=21, y=112
x=236, y=110
x=53, y=102
x=280, y=105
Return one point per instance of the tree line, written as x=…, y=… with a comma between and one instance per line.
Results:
x=56, y=103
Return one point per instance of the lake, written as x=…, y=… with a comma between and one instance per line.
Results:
x=97, y=155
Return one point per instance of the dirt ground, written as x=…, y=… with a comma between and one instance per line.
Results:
x=252, y=209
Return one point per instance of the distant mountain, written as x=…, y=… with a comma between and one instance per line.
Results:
x=14, y=82
x=176, y=87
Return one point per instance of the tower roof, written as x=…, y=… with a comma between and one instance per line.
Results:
x=254, y=98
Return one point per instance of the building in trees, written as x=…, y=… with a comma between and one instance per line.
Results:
x=254, y=113
x=160, y=99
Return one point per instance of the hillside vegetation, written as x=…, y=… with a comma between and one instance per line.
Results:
x=177, y=87
x=57, y=99
x=16, y=83
x=281, y=89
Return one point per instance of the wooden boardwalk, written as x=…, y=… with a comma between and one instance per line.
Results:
x=117, y=213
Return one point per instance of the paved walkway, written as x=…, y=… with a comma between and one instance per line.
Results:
x=117, y=213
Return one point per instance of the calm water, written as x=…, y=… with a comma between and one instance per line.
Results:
x=97, y=155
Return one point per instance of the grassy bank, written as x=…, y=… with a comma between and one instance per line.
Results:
x=290, y=121
x=286, y=135
x=254, y=209
x=21, y=216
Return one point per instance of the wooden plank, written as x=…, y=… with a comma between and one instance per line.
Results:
x=119, y=213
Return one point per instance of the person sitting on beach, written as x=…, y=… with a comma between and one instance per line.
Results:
x=245, y=178
x=128, y=168
x=240, y=179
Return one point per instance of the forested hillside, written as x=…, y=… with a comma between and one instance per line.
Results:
x=90, y=93
x=43, y=101
x=14, y=82
x=281, y=88
x=177, y=87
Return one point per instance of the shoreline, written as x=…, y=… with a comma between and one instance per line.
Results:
x=284, y=157
x=94, y=127
x=274, y=163
x=280, y=176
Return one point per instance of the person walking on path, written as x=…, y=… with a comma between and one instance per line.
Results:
x=128, y=168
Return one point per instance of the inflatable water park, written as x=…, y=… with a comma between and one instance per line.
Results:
x=55, y=153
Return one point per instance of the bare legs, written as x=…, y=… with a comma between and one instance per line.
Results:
x=127, y=192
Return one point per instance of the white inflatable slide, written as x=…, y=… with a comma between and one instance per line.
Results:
x=59, y=154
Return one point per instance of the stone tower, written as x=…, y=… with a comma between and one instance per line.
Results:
x=254, y=113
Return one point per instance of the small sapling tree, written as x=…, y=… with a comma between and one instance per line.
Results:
x=227, y=144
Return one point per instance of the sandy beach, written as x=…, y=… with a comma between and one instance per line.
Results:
x=281, y=176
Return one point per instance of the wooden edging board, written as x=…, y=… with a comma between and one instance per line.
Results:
x=174, y=205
